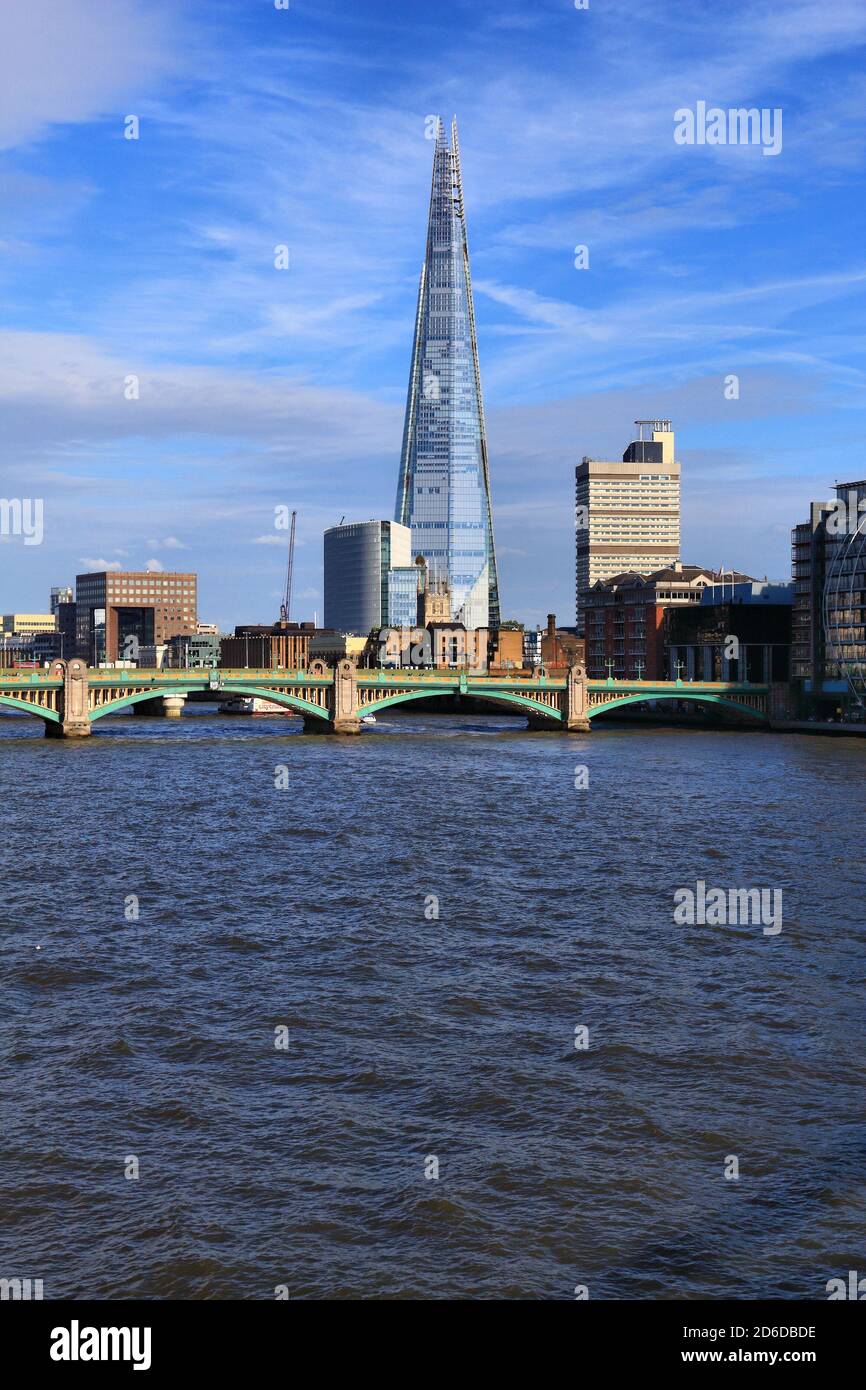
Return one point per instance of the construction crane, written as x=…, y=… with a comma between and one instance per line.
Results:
x=286, y=605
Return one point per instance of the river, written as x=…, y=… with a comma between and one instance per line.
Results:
x=293, y=1015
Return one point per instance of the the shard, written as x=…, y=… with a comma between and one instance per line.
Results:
x=444, y=488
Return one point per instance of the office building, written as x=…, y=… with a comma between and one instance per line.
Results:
x=740, y=631
x=26, y=624
x=358, y=559
x=60, y=594
x=403, y=605
x=829, y=618
x=443, y=492
x=65, y=616
x=119, y=612
x=192, y=650
x=627, y=514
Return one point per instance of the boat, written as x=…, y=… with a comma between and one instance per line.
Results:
x=368, y=718
x=255, y=704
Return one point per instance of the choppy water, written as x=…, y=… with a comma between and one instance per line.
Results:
x=412, y=1037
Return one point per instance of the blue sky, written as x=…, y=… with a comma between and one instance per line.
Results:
x=262, y=388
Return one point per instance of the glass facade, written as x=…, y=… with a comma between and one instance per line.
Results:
x=358, y=558
x=403, y=596
x=444, y=488
x=844, y=597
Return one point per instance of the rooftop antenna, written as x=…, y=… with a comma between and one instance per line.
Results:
x=286, y=605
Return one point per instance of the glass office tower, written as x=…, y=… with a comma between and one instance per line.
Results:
x=444, y=488
x=359, y=557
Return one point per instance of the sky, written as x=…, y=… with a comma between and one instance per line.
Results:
x=165, y=387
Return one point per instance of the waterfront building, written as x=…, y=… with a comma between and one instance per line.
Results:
x=755, y=614
x=561, y=647
x=627, y=514
x=358, y=558
x=267, y=646
x=443, y=492
x=532, y=647
x=829, y=619
x=506, y=648
x=624, y=618
x=67, y=628
x=26, y=624
x=192, y=650
x=15, y=651
x=436, y=646
x=332, y=647
x=117, y=612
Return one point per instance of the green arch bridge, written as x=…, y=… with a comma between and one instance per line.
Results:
x=70, y=697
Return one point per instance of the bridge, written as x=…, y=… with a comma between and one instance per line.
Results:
x=70, y=697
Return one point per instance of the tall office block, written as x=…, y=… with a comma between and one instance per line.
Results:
x=627, y=514
x=444, y=488
x=358, y=559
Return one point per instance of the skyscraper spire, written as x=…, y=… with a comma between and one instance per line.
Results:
x=444, y=487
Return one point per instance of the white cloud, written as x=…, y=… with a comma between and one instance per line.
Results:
x=91, y=565
x=68, y=63
x=154, y=566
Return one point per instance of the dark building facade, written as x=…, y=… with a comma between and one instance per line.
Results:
x=739, y=632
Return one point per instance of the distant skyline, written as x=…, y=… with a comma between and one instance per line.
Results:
x=305, y=128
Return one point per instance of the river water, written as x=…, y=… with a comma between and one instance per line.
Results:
x=287, y=1044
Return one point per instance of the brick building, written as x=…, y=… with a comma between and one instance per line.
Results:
x=625, y=635
x=119, y=611
x=268, y=646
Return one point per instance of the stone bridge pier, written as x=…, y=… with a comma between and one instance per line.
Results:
x=73, y=703
x=344, y=716
x=575, y=714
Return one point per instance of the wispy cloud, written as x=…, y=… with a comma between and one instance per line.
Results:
x=260, y=386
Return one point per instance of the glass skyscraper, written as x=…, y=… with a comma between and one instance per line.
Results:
x=444, y=488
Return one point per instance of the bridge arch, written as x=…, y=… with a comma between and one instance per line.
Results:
x=513, y=700
x=294, y=702
x=48, y=716
x=682, y=693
